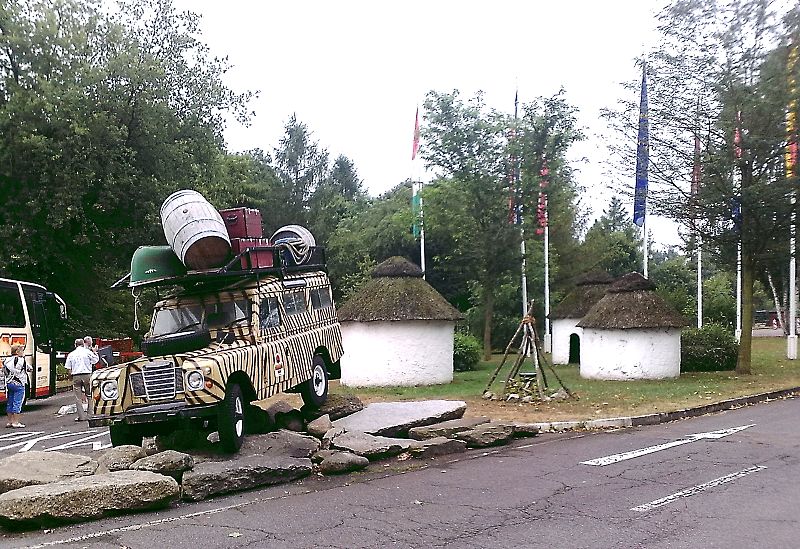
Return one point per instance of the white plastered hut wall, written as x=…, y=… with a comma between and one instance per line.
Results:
x=653, y=353
x=562, y=329
x=397, y=353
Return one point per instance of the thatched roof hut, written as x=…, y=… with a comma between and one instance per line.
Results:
x=589, y=289
x=631, y=333
x=631, y=302
x=397, y=292
x=565, y=333
x=397, y=330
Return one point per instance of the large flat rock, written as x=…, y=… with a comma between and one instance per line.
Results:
x=242, y=473
x=371, y=446
x=86, y=498
x=394, y=419
x=446, y=428
x=32, y=468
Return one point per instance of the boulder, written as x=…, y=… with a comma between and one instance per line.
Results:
x=488, y=434
x=322, y=454
x=280, y=443
x=33, y=467
x=437, y=446
x=526, y=430
x=332, y=433
x=394, y=419
x=342, y=462
x=336, y=406
x=276, y=408
x=319, y=426
x=370, y=446
x=242, y=473
x=120, y=458
x=86, y=498
x=169, y=462
x=446, y=428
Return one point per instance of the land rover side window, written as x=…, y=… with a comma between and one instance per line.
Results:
x=172, y=321
x=11, y=314
x=294, y=302
x=228, y=314
x=269, y=313
x=320, y=298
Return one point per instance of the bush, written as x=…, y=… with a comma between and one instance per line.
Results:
x=466, y=352
x=710, y=348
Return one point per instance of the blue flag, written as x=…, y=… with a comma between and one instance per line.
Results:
x=642, y=157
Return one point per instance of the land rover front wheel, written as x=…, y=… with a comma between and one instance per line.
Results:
x=315, y=390
x=230, y=419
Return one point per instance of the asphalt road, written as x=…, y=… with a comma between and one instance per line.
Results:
x=45, y=430
x=727, y=489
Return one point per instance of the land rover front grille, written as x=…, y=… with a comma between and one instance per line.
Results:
x=161, y=380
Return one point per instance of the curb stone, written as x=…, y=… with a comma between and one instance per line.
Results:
x=664, y=417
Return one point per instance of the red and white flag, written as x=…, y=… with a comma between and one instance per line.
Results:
x=415, y=146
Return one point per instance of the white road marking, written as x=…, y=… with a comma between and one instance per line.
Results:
x=711, y=435
x=697, y=489
x=24, y=441
x=157, y=522
x=95, y=444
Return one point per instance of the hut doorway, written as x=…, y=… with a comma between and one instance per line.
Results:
x=574, y=349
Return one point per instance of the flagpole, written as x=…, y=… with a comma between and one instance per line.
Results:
x=548, y=338
x=518, y=211
x=791, y=171
x=642, y=161
x=737, y=184
x=699, y=281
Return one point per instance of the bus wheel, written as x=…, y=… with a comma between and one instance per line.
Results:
x=122, y=434
x=315, y=390
x=230, y=419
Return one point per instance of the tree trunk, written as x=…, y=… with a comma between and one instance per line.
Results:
x=778, y=307
x=488, y=315
x=746, y=343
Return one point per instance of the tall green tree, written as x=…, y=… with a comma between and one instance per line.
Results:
x=721, y=65
x=469, y=144
x=611, y=243
x=102, y=114
x=301, y=165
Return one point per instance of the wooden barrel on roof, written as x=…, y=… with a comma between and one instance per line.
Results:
x=195, y=230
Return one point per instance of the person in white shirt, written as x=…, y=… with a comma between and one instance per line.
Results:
x=80, y=363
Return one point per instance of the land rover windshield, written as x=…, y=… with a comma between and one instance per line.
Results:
x=194, y=317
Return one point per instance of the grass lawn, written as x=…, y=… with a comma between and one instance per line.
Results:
x=601, y=399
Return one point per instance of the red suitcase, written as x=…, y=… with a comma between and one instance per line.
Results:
x=242, y=222
x=254, y=260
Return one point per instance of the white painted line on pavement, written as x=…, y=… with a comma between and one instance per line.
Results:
x=711, y=435
x=697, y=489
x=157, y=522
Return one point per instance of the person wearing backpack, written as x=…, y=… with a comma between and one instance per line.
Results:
x=16, y=373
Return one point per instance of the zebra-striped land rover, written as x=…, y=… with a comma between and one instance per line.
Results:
x=226, y=339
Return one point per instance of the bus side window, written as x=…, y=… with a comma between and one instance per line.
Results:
x=320, y=298
x=269, y=313
x=294, y=302
x=11, y=314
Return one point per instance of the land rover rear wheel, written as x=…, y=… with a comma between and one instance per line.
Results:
x=230, y=419
x=122, y=434
x=315, y=390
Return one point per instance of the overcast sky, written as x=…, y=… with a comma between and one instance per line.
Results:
x=355, y=71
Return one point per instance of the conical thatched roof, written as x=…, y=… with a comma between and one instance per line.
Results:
x=589, y=289
x=631, y=303
x=397, y=292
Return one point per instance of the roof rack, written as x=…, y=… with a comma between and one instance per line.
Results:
x=283, y=263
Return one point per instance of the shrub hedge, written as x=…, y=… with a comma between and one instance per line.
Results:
x=710, y=348
x=466, y=352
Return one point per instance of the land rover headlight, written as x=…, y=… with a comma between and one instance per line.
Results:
x=109, y=390
x=194, y=380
